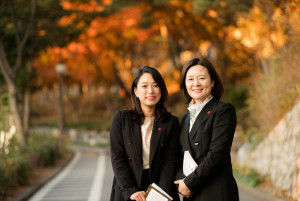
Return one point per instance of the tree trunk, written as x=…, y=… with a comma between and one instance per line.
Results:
x=9, y=77
x=106, y=98
x=119, y=80
x=26, y=102
x=13, y=103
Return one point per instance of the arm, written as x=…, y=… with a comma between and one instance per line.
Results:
x=119, y=158
x=218, y=154
x=169, y=160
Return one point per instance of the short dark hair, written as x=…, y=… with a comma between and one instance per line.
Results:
x=161, y=112
x=217, y=90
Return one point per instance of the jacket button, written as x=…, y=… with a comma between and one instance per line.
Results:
x=129, y=143
x=162, y=144
x=196, y=143
x=130, y=159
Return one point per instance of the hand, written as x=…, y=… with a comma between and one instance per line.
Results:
x=138, y=196
x=183, y=189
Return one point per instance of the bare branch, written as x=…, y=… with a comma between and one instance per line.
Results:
x=26, y=36
x=14, y=22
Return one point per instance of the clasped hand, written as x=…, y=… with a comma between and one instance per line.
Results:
x=183, y=189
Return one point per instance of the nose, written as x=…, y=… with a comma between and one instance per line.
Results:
x=150, y=89
x=196, y=82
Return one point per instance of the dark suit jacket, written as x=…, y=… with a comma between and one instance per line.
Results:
x=209, y=143
x=127, y=159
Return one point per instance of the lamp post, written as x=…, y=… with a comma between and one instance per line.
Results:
x=61, y=71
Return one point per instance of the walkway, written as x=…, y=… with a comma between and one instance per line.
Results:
x=88, y=177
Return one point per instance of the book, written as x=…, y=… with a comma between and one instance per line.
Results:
x=155, y=193
x=189, y=165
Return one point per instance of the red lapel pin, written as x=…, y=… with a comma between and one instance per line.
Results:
x=159, y=129
x=208, y=112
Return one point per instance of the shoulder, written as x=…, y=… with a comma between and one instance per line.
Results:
x=184, y=117
x=174, y=118
x=120, y=114
x=223, y=107
x=171, y=119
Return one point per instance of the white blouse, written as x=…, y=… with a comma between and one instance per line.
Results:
x=195, y=109
x=146, y=137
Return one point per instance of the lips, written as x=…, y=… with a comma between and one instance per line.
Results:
x=197, y=90
x=150, y=98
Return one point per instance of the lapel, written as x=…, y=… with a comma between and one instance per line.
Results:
x=185, y=132
x=205, y=113
x=137, y=139
x=157, y=131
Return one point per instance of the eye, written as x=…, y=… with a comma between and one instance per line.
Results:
x=155, y=85
x=144, y=86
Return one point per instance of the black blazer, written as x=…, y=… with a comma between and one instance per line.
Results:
x=127, y=159
x=209, y=143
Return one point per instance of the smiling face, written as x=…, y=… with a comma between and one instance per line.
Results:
x=198, y=83
x=147, y=91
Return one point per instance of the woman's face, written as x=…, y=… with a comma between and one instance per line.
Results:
x=147, y=91
x=198, y=83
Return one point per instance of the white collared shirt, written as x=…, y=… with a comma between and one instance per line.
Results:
x=195, y=109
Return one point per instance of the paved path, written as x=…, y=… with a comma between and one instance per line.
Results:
x=88, y=177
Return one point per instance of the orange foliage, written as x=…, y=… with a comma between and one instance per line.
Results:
x=101, y=42
x=91, y=6
x=256, y=33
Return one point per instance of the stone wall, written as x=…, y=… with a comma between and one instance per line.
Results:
x=278, y=155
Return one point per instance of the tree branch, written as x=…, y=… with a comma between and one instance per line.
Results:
x=22, y=43
x=14, y=22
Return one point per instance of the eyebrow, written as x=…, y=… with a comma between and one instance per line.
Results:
x=148, y=82
x=195, y=75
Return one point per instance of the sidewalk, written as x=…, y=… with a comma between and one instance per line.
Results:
x=88, y=161
x=79, y=170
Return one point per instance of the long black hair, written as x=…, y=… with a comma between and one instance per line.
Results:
x=161, y=113
x=217, y=90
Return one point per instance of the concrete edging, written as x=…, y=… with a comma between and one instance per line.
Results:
x=35, y=187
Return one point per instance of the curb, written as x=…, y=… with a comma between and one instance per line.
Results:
x=35, y=187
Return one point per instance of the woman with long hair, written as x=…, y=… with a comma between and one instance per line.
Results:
x=144, y=140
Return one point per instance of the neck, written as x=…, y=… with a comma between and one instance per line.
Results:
x=201, y=101
x=148, y=112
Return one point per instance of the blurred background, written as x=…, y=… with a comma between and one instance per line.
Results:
x=67, y=66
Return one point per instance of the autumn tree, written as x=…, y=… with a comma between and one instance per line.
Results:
x=103, y=53
x=25, y=29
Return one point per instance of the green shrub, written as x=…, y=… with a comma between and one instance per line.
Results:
x=18, y=162
x=45, y=149
x=238, y=97
x=23, y=167
x=250, y=178
x=5, y=178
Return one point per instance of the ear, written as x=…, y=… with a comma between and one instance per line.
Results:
x=136, y=92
